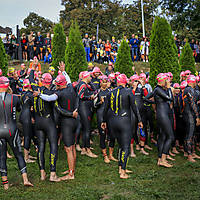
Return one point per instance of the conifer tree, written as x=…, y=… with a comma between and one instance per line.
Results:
x=58, y=45
x=163, y=54
x=124, y=62
x=187, y=60
x=75, y=57
x=3, y=58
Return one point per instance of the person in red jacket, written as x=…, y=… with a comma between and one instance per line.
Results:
x=108, y=49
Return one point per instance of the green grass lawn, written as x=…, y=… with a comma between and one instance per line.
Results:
x=97, y=180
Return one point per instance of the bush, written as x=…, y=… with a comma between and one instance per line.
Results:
x=163, y=55
x=75, y=57
x=187, y=60
x=3, y=58
x=124, y=62
x=58, y=45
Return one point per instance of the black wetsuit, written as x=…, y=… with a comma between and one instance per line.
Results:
x=85, y=111
x=163, y=114
x=100, y=109
x=9, y=105
x=46, y=128
x=96, y=83
x=67, y=102
x=117, y=114
x=139, y=96
x=25, y=118
x=190, y=113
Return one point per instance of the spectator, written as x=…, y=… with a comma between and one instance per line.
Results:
x=31, y=40
x=13, y=41
x=39, y=41
x=144, y=47
x=86, y=43
x=134, y=42
x=114, y=45
x=35, y=64
x=197, y=51
x=24, y=44
x=47, y=43
x=108, y=49
x=110, y=69
x=23, y=72
x=6, y=42
x=93, y=49
x=48, y=57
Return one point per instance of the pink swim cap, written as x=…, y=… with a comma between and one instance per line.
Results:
x=60, y=80
x=46, y=79
x=183, y=85
x=134, y=78
x=143, y=75
x=191, y=79
x=86, y=74
x=4, y=82
x=176, y=85
x=182, y=74
x=122, y=78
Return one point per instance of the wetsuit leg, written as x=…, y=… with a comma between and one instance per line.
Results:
x=166, y=127
x=161, y=141
x=102, y=133
x=41, y=149
x=149, y=118
x=68, y=128
x=27, y=132
x=3, y=157
x=78, y=130
x=86, y=116
x=190, y=127
x=15, y=144
x=124, y=139
x=47, y=125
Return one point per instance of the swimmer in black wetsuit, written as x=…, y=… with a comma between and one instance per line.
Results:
x=9, y=105
x=67, y=106
x=117, y=117
x=86, y=97
x=166, y=135
x=45, y=127
x=26, y=118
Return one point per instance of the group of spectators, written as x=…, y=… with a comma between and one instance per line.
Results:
x=105, y=51
x=101, y=51
x=31, y=45
x=195, y=46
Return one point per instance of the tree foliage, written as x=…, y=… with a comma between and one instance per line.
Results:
x=187, y=60
x=114, y=17
x=124, y=62
x=36, y=23
x=163, y=55
x=3, y=58
x=58, y=45
x=184, y=16
x=75, y=57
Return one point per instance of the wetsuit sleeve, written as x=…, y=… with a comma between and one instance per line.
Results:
x=34, y=85
x=149, y=96
x=106, y=107
x=192, y=103
x=46, y=97
x=81, y=93
x=162, y=94
x=16, y=102
x=64, y=112
x=134, y=106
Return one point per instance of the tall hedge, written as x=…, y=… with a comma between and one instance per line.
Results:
x=58, y=45
x=187, y=60
x=163, y=54
x=75, y=57
x=124, y=61
x=3, y=58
